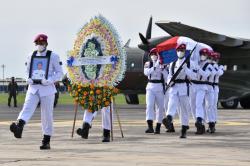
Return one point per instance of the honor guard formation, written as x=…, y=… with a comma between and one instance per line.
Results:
x=192, y=92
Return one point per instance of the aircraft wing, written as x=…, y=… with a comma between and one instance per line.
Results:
x=200, y=35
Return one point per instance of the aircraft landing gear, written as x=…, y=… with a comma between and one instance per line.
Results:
x=231, y=104
x=132, y=99
x=245, y=102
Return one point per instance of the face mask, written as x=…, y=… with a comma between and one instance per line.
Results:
x=180, y=54
x=41, y=48
x=203, y=57
x=154, y=57
x=214, y=61
x=209, y=60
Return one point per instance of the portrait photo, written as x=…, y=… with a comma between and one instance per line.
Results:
x=39, y=68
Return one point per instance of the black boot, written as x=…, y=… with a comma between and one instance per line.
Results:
x=158, y=128
x=17, y=128
x=106, y=135
x=150, y=127
x=184, y=131
x=211, y=128
x=84, y=132
x=45, y=143
x=200, y=127
x=168, y=124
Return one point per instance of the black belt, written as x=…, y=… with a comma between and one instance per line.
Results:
x=200, y=82
x=179, y=81
x=215, y=84
x=155, y=81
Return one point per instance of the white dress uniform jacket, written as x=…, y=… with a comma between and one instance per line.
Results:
x=55, y=74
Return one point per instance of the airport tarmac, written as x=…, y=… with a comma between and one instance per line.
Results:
x=229, y=146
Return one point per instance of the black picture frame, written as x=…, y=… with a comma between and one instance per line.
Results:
x=39, y=68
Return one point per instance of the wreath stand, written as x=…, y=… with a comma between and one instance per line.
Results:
x=111, y=119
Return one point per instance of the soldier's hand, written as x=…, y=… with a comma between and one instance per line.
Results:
x=47, y=82
x=29, y=81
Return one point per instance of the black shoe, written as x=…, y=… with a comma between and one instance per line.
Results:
x=17, y=128
x=84, y=132
x=184, y=131
x=167, y=122
x=106, y=135
x=158, y=128
x=200, y=127
x=211, y=128
x=45, y=143
x=150, y=128
x=171, y=129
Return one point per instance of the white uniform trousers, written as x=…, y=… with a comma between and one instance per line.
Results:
x=181, y=103
x=47, y=106
x=88, y=117
x=209, y=100
x=200, y=103
x=166, y=99
x=152, y=98
x=192, y=98
x=216, y=96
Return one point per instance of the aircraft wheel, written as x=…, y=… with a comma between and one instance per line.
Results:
x=231, y=104
x=245, y=103
x=132, y=99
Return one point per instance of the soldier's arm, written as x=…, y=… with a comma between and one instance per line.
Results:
x=170, y=73
x=147, y=69
x=220, y=70
x=58, y=72
x=27, y=63
x=205, y=73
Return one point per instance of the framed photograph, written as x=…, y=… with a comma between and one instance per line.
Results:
x=39, y=67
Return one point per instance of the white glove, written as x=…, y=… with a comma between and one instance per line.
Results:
x=221, y=67
x=47, y=82
x=29, y=81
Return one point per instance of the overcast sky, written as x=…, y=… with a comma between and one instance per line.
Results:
x=21, y=20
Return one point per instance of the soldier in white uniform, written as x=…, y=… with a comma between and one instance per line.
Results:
x=154, y=91
x=43, y=92
x=166, y=100
x=209, y=97
x=212, y=114
x=179, y=91
x=200, y=84
x=88, y=117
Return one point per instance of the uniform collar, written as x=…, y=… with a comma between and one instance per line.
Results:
x=42, y=54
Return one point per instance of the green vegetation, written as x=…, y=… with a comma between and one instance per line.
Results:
x=64, y=98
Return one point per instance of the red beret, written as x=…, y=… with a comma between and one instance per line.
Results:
x=216, y=55
x=40, y=38
x=181, y=47
x=152, y=51
x=205, y=51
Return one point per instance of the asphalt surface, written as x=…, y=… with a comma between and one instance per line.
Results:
x=229, y=146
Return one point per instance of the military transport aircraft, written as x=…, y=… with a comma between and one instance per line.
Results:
x=235, y=56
